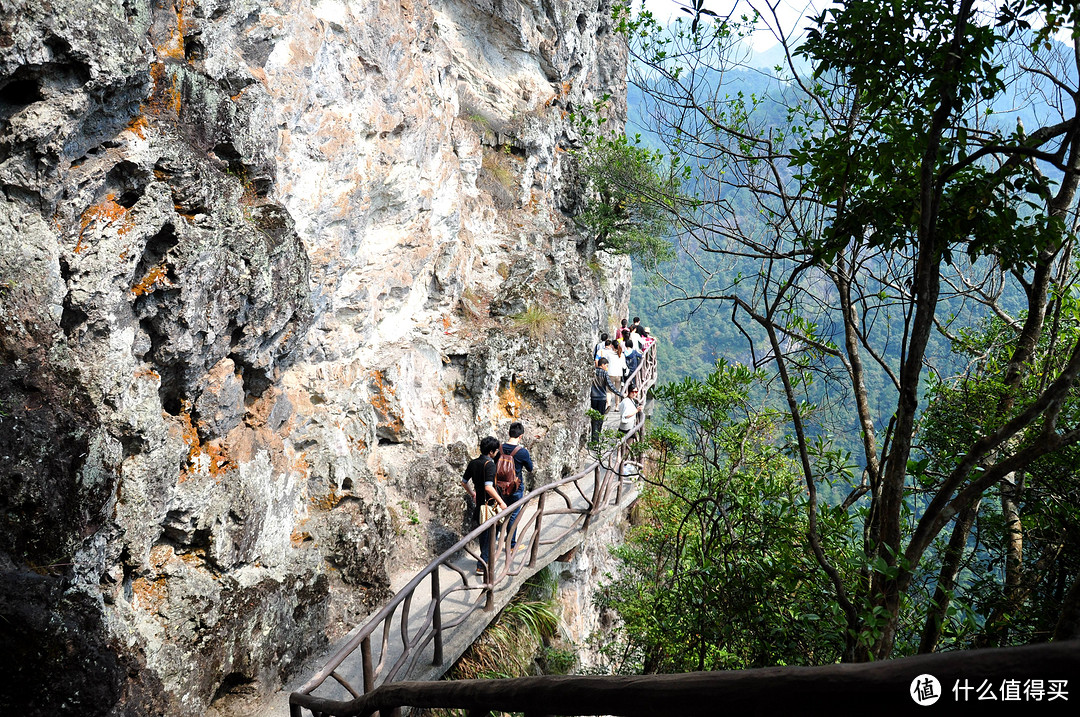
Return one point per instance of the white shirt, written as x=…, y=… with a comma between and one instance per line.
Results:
x=609, y=354
x=627, y=411
x=616, y=365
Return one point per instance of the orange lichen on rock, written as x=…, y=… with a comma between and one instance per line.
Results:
x=209, y=459
x=138, y=126
x=148, y=594
x=159, y=555
x=106, y=213
x=511, y=403
x=165, y=96
x=299, y=537
x=217, y=457
x=191, y=559
x=326, y=502
x=156, y=275
x=301, y=466
x=173, y=46
x=381, y=404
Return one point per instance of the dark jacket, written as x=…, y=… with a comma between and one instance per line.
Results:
x=601, y=385
x=633, y=360
x=481, y=470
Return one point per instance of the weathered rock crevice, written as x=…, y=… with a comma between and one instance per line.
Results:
x=268, y=271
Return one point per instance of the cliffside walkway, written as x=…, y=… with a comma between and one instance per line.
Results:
x=430, y=622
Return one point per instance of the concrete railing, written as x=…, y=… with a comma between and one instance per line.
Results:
x=391, y=645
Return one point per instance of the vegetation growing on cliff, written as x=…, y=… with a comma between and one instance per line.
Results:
x=633, y=194
x=518, y=639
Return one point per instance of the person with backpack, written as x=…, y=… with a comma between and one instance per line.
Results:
x=481, y=474
x=514, y=457
x=598, y=396
x=633, y=360
x=599, y=347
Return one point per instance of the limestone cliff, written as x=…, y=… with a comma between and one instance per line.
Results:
x=266, y=269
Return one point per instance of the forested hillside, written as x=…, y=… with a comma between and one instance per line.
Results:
x=695, y=332
x=872, y=329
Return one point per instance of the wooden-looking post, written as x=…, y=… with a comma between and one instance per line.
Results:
x=436, y=617
x=489, y=571
x=365, y=657
x=595, y=498
x=535, y=549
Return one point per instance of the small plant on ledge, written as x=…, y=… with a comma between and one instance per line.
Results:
x=535, y=320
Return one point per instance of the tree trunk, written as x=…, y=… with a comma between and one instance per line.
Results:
x=1068, y=627
x=1011, y=490
x=950, y=566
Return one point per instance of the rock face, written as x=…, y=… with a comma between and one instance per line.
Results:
x=268, y=270
x=585, y=628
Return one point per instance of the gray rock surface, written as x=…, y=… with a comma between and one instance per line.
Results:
x=268, y=270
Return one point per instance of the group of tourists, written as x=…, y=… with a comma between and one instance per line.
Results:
x=615, y=360
x=493, y=479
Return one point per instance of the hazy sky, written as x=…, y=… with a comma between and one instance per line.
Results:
x=789, y=13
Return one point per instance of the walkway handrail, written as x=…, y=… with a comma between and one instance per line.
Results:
x=432, y=629
x=886, y=684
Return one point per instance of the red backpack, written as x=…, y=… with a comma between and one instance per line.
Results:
x=506, y=480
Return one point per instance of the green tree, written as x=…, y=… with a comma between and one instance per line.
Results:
x=714, y=574
x=890, y=201
x=631, y=198
x=1030, y=534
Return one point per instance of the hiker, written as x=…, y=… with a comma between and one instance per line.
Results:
x=481, y=473
x=599, y=347
x=598, y=396
x=633, y=360
x=617, y=365
x=647, y=338
x=519, y=454
x=628, y=410
x=606, y=352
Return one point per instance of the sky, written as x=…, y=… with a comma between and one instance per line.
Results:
x=789, y=13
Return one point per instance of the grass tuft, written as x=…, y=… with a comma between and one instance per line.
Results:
x=535, y=320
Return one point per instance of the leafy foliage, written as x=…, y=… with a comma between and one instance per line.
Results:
x=628, y=210
x=1026, y=604
x=716, y=573
x=855, y=223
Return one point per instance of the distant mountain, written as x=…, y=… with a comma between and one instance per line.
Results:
x=772, y=57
